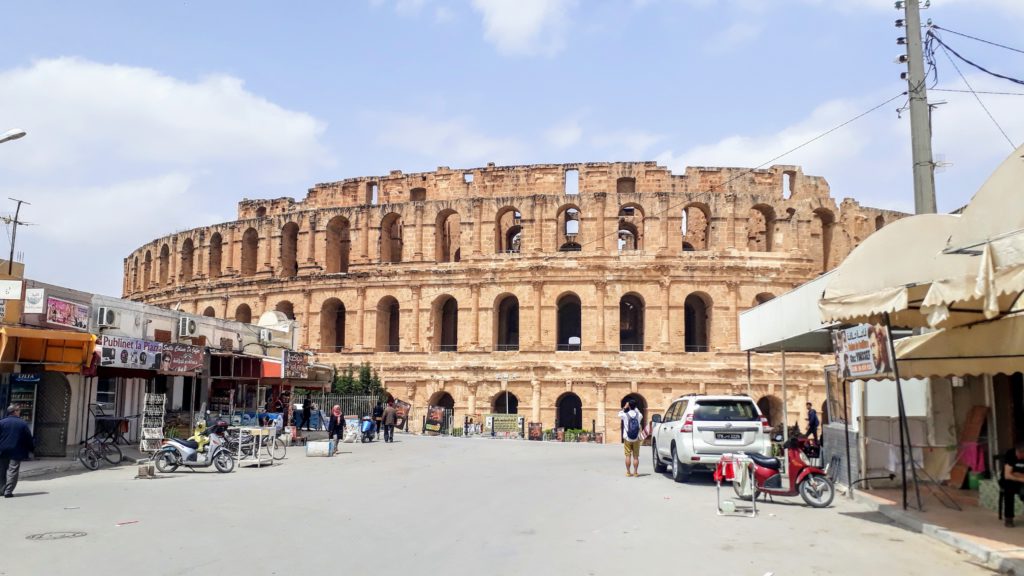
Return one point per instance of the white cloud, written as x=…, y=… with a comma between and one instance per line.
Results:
x=627, y=144
x=452, y=141
x=564, y=134
x=119, y=155
x=525, y=27
x=736, y=35
x=443, y=14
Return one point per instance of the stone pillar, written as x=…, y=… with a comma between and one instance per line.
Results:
x=538, y=223
x=360, y=317
x=475, y=290
x=364, y=242
x=228, y=251
x=478, y=225
x=602, y=289
x=666, y=284
x=224, y=307
x=600, y=387
x=731, y=232
x=172, y=262
x=311, y=243
x=307, y=302
x=416, y=292
x=535, y=401
x=663, y=200
x=538, y=293
x=268, y=264
x=263, y=304
x=602, y=200
x=471, y=397
x=418, y=254
x=733, y=341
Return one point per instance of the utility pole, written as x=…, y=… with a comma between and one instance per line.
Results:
x=14, y=233
x=920, y=114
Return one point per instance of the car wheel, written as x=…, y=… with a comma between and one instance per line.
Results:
x=659, y=466
x=680, y=471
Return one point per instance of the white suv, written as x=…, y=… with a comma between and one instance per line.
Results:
x=696, y=430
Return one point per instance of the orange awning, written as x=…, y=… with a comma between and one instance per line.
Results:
x=56, y=350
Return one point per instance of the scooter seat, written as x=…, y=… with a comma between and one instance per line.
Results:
x=188, y=443
x=764, y=461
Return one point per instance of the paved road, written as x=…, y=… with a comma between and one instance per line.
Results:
x=441, y=506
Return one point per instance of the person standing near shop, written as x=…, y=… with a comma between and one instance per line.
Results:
x=631, y=426
x=307, y=411
x=15, y=446
x=389, y=418
x=336, y=427
x=812, y=421
x=1012, y=481
x=378, y=415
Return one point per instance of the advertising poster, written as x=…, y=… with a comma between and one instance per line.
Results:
x=435, y=418
x=64, y=313
x=536, y=431
x=181, y=359
x=295, y=365
x=862, y=352
x=504, y=424
x=121, y=352
x=834, y=396
x=402, y=410
x=35, y=299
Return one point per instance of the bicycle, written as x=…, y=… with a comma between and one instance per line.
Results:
x=244, y=442
x=95, y=450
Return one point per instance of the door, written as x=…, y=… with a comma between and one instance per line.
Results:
x=667, y=428
x=53, y=405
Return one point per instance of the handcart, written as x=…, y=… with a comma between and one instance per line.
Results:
x=735, y=468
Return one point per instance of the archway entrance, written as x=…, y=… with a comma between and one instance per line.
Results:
x=569, y=410
x=641, y=405
x=771, y=408
x=442, y=399
x=506, y=403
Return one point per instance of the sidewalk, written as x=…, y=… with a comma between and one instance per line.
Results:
x=51, y=467
x=973, y=530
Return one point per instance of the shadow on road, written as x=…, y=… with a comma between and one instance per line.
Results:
x=24, y=494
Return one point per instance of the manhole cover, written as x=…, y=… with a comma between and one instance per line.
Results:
x=55, y=535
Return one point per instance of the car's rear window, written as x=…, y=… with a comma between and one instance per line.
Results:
x=725, y=410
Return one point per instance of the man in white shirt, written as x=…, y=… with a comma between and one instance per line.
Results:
x=631, y=426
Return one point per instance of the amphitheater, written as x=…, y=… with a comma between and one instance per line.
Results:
x=553, y=291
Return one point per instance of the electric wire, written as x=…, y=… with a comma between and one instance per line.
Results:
x=932, y=34
x=978, y=98
x=937, y=27
x=989, y=92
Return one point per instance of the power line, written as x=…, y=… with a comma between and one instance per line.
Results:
x=932, y=34
x=937, y=27
x=978, y=98
x=749, y=170
x=978, y=92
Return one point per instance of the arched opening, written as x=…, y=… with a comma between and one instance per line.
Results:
x=761, y=229
x=210, y=312
x=508, y=230
x=569, y=412
x=631, y=323
x=447, y=236
x=215, y=252
x=631, y=227
x=506, y=316
x=388, y=324
x=147, y=270
x=763, y=297
x=771, y=408
x=243, y=314
x=339, y=244
x=824, y=225
x=135, y=274
x=505, y=403
x=418, y=195
x=696, y=219
x=391, y=243
x=165, y=264
x=289, y=250
x=250, y=250
x=641, y=405
x=788, y=184
x=261, y=212
x=879, y=222
x=687, y=247
x=446, y=322
x=332, y=326
x=825, y=417
x=287, y=308
x=188, y=251
x=697, y=319
x=442, y=399
x=625, y=185
x=570, y=316
x=568, y=229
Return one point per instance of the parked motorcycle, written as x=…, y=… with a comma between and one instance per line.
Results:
x=810, y=482
x=368, y=429
x=175, y=452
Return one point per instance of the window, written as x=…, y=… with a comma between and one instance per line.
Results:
x=289, y=250
x=339, y=245
x=215, y=252
x=447, y=237
x=625, y=186
x=187, y=259
x=418, y=194
x=725, y=411
x=570, y=316
x=572, y=182
x=391, y=243
x=250, y=249
x=106, y=394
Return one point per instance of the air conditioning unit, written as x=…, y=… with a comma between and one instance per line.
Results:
x=266, y=336
x=187, y=327
x=106, y=317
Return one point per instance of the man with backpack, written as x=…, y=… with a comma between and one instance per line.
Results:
x=631, y=426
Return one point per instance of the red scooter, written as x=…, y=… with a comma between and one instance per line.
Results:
x=810, y=482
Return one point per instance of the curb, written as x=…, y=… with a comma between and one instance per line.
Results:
x=990, y=558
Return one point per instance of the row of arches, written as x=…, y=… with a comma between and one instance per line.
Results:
x=568, y=406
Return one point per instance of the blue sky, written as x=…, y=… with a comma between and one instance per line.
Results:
x=150, y=117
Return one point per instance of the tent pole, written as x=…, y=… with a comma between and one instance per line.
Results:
x=904, y=429
x=785, y=402
x=846, y=428
x=749, y=393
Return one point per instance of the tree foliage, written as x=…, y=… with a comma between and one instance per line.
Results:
x=357, y=381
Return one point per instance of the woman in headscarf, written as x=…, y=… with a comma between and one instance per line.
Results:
x=336, y=426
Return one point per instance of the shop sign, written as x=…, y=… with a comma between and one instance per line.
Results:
x=10, y=289
x=64, y=313
x=862, y=351
x=181, y=359
x=536, y=431
x=122, y=352
x=435, y=418
x=296, y=365
x=35, y=298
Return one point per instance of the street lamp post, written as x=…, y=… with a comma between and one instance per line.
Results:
x=12, y=134
x=505, y=378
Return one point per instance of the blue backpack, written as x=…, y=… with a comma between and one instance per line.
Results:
x=633, y=428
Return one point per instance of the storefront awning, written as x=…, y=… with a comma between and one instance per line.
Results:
x=56, y=350
x=789, y=322
x=995, y=347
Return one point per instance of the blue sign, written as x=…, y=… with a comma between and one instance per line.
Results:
x=24, y=378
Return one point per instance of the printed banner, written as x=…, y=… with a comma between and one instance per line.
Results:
x=834, y=399
x=402, y=410
x=64, y=313
x=35, y=299
x=504, y=424
x=295, y=365
x=181, y=359
x=10, y=289
x=862, y=351
x=536, y=430
x=435, y=418
x=122, y=352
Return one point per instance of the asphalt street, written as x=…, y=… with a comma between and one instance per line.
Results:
x=441, y=506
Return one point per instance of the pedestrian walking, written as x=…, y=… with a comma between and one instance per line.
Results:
x=389, y=418
x=812, y=422
x=378, y=416
x=1012, y=481
x=631, y=429
x=15, y=446
x=307, y=412
x=336, y=427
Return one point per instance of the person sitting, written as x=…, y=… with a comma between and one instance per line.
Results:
x=200, y=437
x=1012, y=481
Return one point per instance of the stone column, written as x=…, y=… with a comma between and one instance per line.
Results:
x=732, y=240
x=172, y=262
x=478, y=225
x=418, y=254
x=224, y=306
x=416, y=292
x=538, y=223
x=602, y=289
x=475, y=290
x=268, y=264
x=471, y=397
x=600, y=387
x=360, y=317
x=535, y=401
x=311, y=244
x=263, y=304
x=666, y=284
x=663, y=200
x=602, y=199
x=734, y=339
x=307, y=302
x=538, y=289
x=228, y=251
x=364, y=242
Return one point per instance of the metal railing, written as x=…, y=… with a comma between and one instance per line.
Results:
x=569, y=347
x=697, y=348
x=631, y=347
x=388, y=348
x=449, y=348
x=507, y=347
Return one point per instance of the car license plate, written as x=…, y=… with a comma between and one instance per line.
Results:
x=728, y=436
